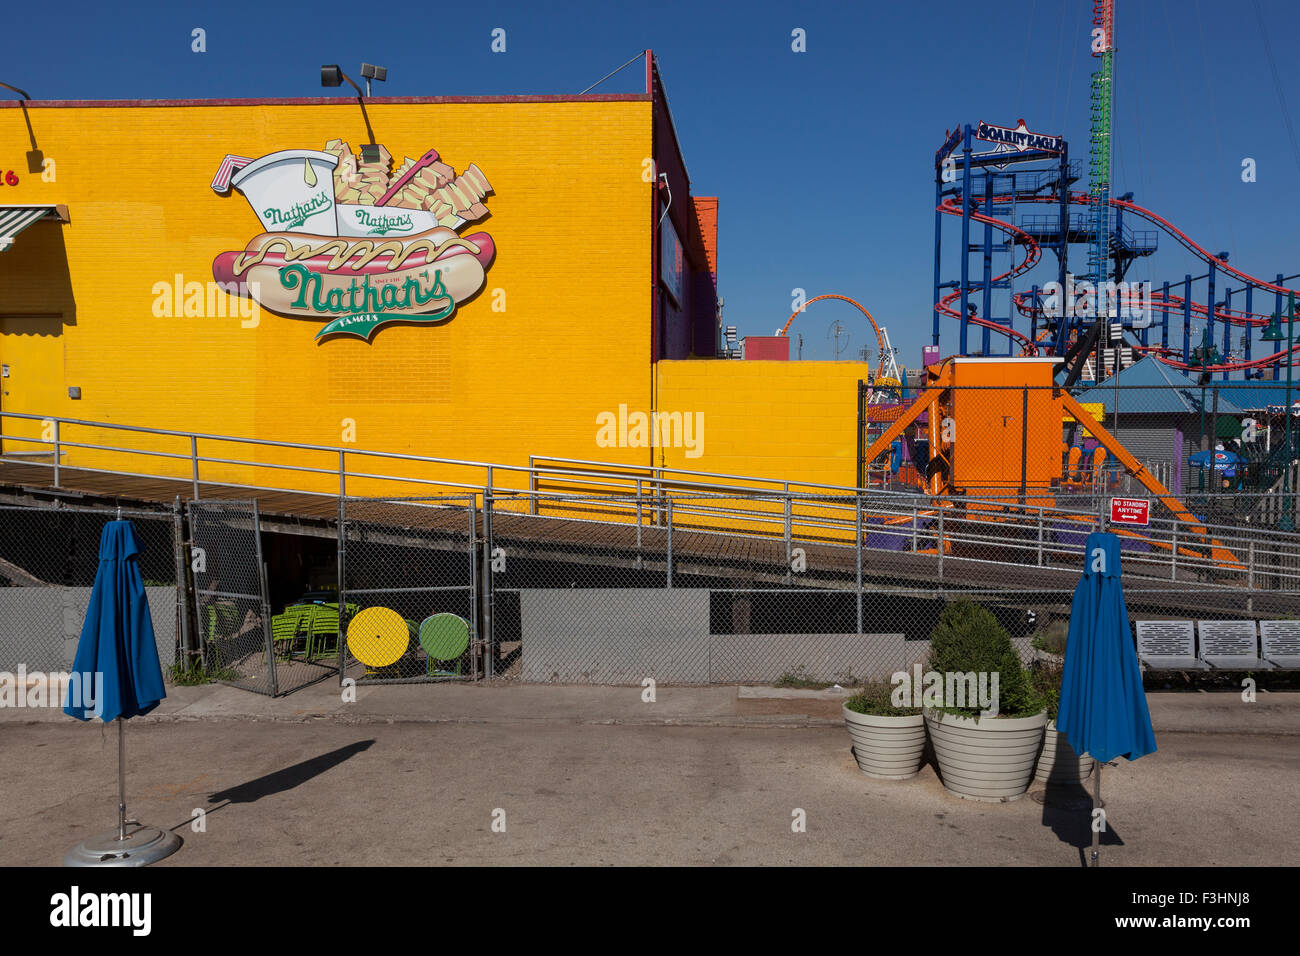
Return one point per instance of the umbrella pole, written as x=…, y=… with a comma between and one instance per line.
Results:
x=121, y=783
x=1095, y=860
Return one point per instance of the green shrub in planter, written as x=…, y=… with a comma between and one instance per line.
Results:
x=1052, y=638
x=969, y=638
x=1045, y=676
x=888, y=741
x=984, y=759
x=1058, y=764
x=876, y=700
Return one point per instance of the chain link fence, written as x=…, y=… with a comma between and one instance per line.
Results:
x=48, y=560
x=230, y=594
x=681, y=588
x=730, y=588
x=410, y=583
x=1227, y=450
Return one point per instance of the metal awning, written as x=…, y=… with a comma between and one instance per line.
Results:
x=14, y=219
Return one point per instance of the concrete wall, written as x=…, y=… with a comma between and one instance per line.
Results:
x=40, y=627
x=624, y=635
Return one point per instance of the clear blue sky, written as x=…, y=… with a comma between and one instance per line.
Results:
x=822, y=160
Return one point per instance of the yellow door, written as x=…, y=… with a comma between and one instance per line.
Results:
x=31, y=381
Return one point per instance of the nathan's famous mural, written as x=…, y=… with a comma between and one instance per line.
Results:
x=353, y=242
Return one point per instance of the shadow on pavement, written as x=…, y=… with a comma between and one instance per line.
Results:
x=289, y=777
x=1067, y=810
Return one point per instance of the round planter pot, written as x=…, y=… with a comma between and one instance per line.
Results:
x=991, y=759
x=1058, y=764
x=886, y=747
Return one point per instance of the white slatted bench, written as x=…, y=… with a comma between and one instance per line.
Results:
x=1281, y=640
x=1168, y=646
x=1231, y=646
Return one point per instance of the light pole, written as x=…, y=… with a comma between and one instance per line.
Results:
x=1273, y=333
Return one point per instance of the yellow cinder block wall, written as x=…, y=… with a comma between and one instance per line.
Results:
x=570, y=216
x=794, y=421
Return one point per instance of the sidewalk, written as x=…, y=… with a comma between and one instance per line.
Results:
x=1273, y=713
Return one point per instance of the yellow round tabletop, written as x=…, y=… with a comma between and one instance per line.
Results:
x=378, y=636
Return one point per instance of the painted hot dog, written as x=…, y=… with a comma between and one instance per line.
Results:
x=358, y=284
x=359, y=257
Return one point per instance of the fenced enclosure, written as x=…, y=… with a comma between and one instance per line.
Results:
x=231, y=604
x=408, y=570
x=727, y=588
x=48, y=559
x=1226, y=450
x=681, y=586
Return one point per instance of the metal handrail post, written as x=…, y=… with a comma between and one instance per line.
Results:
x=194, y=465
x=489, y=634
x=341, y=587
x=788, y=505
x=1173, y=555
x=343, y=475
x=1040, y=537
x=638, y=518
x=858, y=548
x=940, y=543
x=668, y=505
x=56, y=453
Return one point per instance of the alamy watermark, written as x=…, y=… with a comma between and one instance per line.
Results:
x=626, y=429
x=84, y=691
x=1129, y=301
x=949, y=689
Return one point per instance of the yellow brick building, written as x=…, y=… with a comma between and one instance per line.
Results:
x=600, y=296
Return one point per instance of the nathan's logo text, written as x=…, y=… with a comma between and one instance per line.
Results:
x=297, y=214
x=382, y=225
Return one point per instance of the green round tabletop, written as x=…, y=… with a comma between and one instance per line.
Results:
x=444, y=637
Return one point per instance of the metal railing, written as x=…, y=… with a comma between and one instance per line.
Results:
x=984, y=527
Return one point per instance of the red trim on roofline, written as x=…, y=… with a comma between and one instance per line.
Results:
x=330, y=100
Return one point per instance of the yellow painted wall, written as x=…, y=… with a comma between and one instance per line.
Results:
x=795, y=421
x=569, y=215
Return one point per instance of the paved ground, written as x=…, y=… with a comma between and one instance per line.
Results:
x=413, y=775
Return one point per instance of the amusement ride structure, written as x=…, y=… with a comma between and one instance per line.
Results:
x=1002, y=426
x=986, y=190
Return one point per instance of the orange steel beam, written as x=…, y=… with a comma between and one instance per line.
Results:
x=922, y=402
x=1139, y=471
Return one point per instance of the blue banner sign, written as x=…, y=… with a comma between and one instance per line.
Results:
x=1020, y=138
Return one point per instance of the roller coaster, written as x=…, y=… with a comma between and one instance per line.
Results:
x=1029, y=303
x=976, y=188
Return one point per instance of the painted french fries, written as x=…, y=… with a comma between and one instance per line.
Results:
x=427, y=184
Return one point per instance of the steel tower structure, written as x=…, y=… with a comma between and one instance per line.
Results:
x=1103, y=46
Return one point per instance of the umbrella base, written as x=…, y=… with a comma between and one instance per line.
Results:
x=142, y=846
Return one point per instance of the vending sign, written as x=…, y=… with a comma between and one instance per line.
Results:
x=1130, y=511
x=357, y=242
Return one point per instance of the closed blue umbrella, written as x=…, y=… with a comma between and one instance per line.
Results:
x=117, y=656
x=1103, y=710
